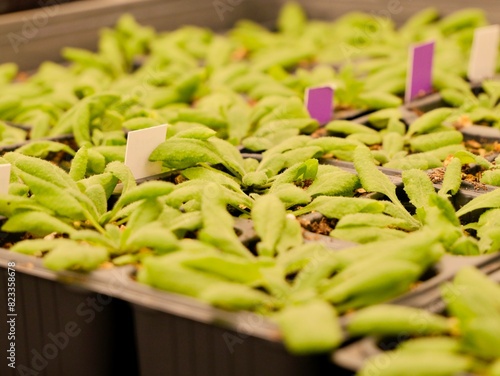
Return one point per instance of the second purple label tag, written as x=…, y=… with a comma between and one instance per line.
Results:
x=319, y=103
x=419, y=76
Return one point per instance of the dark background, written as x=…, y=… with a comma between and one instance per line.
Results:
x=77, y=23
x=8, y=6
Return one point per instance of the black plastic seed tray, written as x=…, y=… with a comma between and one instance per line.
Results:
x=66, y=23
x=62, y=25
x=425, y=104
x=355, y=354
x=362, y=116
x=449, y=264
x=180, y=336
x=480, y=133
x=175, y=335
x=433, y=101
x=12, y=147
x=61, y=327
x=467, y=188
x=411, y=112
x=435, y=276
x=396, y=11
x=191, y=339
x=468, y=191
x=430, y=298
x=70, y=323
x=393, y=174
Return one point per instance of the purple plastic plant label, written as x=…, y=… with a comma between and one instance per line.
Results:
x=140, y=145
x=484, y=52
x=4, y=178
x=419, y=77
x=319, y=103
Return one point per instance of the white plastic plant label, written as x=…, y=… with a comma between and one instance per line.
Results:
x=140, y=145
x=4, y=178
x=484, y=53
